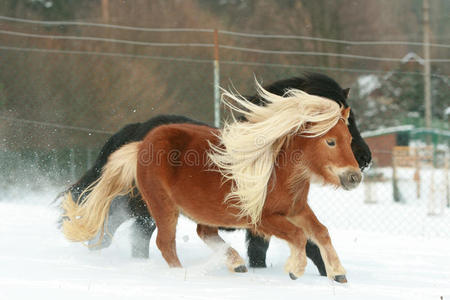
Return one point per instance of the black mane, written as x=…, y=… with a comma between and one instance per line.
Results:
x=312, y=83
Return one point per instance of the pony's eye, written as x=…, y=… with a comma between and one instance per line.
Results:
x=331, y=142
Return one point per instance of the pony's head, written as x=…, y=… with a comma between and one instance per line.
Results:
x=250, y=149
x=326, y=87
x=329, y=157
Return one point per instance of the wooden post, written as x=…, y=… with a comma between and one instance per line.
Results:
x=447, y=183
x=105, y=11
x=72, y=164
x=417, y=172
x=395, y=190
x=216, y=80
x=89, y=159
x=37, y=160
x=428, y=159
x=368, y=191
x=56, y=170
x=427, y=70
x=432, y=205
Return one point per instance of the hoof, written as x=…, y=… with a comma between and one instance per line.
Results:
x=340, y=278
x=241, y=269
x=293, y=277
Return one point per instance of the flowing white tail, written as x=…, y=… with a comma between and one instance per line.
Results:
x=85, y=219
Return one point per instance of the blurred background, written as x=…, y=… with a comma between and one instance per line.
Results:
x=74, y=72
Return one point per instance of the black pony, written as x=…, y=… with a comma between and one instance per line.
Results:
x=134, y=207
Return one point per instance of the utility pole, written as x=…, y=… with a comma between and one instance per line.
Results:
x=426, y=51
x=105, y=11
x=216, y=80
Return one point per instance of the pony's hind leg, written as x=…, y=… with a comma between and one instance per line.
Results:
x=118, y=214
x=143, y=229
x=282, y=228
x=165, y=240
x=211, y=237
x=318, y=233
x=165, y=214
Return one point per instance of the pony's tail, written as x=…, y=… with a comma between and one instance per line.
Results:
x=83, y=220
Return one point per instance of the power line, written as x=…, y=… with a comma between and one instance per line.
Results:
x=353, y=70
x=55, y=125
x=193, y=60
x=80, y=23
x=242, y=49
x=309, y=38
x=113, y=54
x=309, y=53
x=224, y=32
x=107, y=40
x=312, y=53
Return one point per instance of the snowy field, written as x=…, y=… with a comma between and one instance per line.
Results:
x=36, y=262
x=427, y=216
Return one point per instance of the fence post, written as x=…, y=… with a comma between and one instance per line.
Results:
x=417, y=171
x=37, y=160
x=56, y=171
x=368, y=191
x=447, y=183
x=72, y=164
x=216, y=80
x=105, y=11
x=395, y=190
x=89, y=159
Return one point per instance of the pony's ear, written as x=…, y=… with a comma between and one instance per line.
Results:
x=345, y=113
x=346, y=91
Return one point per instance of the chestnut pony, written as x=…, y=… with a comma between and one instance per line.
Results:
x=253, y=175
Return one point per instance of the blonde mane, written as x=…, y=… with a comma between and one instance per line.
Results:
x=248, y=150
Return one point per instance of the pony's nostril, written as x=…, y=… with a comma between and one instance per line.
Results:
x=350, y=179
x=354, y=178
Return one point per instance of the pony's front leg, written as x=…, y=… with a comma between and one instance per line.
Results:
x=318, y=233
x=256, y=250
x=210, y=236
x=282, y=228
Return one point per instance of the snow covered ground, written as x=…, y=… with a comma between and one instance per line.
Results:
x=36, y=262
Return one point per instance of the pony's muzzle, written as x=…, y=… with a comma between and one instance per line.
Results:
x=350, y=179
